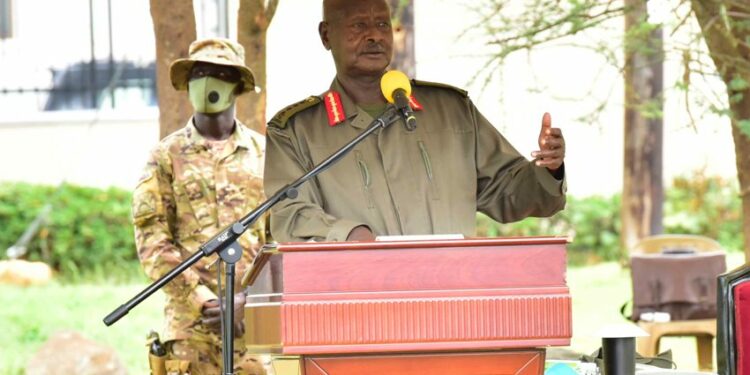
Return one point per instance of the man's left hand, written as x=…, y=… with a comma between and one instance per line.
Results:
x=211, y=315
x=551, y=153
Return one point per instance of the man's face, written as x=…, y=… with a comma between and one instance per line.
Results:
x=213, y=88
x=359, y=35
x=225, y=73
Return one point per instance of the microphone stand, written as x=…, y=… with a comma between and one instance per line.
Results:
x=225, y=242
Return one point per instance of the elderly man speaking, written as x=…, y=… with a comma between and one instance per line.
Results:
x=430, y=180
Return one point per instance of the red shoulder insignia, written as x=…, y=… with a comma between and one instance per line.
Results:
x=334, y=108
x=414, y=103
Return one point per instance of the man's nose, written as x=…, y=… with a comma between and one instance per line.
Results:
x=374, y=34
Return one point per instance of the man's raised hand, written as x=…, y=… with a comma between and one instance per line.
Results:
x=551, y=153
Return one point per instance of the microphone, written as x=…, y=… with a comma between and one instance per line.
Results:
x=396, y=89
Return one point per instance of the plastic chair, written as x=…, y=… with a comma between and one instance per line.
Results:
x=704, y=330
x=659, y=243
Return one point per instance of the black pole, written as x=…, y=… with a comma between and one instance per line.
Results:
x=618, y=354
x=228, y=345
x=111, y=54
x=230, y=256
x=225, y=242
x=92, y=62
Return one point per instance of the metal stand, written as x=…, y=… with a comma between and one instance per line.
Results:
x=225, y=242
x=230, y=256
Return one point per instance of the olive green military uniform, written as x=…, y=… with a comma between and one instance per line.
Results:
x=428, y=181
x=189, y=191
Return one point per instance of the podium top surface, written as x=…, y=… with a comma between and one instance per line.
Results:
x=415, y=267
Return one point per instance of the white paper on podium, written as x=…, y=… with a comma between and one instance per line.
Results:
x=421, y=237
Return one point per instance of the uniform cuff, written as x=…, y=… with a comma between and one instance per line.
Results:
x=552, y=185
x=341, y=229
x=202, y=294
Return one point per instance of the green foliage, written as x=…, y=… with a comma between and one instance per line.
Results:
x=87, y=233
x=592, y=223
x=510, y=26
x=738, y=84
x=652, y=108
x=705, y=205
x=744, y=126
x=695, y=204
x=639, y=39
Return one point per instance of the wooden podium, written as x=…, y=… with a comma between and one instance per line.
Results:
x=476, y=306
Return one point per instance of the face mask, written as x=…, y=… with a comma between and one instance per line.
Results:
x=211, y=95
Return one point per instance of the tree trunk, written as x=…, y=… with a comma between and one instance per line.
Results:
x=642, y=193
x=174, y=30
x=727, y=43
x=403, y=37
x=741, y=110
x=252, y=25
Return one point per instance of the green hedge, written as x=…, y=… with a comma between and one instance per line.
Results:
x=696, y=204
x=593, y=223
x=89, y=231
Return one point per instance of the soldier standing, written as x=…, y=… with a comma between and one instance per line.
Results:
x=197, y=181
x=428, y=181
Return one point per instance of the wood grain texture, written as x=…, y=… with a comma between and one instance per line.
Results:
x=421, y=324
x=411, y=296
x=445, y=265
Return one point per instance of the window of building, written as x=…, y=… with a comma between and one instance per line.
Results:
x=6, y=19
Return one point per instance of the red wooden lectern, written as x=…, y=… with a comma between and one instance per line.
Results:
x=479, y=306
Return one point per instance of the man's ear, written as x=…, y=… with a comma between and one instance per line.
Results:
x=323, y=32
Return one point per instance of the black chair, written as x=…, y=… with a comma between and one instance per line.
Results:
x=733, y=323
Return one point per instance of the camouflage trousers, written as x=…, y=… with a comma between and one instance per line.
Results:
x=192, y=357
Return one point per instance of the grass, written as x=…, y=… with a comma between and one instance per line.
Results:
x=29, y=316
x=598, y=292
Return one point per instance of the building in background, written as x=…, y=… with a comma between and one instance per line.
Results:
x=84, y=54
x=77, y=101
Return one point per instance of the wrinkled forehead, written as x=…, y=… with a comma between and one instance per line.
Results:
x=334, y=10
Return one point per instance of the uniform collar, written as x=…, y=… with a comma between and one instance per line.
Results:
x=341, y=107
x=239, y=138
x=337, y=97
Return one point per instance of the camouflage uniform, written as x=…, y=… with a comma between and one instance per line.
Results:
x=186, y=195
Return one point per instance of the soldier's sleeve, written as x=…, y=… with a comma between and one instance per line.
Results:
x=510, y=187
x=154, y=220
x=302, y=218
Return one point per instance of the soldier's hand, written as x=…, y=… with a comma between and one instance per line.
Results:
x=211, y=315
x=239, y=314
x=551, y=153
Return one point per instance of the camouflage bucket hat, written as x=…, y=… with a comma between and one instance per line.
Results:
x=214, y=51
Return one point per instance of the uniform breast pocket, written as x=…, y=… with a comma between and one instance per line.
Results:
x=253, y=190
x=429, y=170
x=366, y=179
x=195, y=196
x=345, y=182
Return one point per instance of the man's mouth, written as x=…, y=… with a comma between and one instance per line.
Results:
x=373, y=53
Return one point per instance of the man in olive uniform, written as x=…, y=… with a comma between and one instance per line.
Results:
x=428, y=181
x=198, y=180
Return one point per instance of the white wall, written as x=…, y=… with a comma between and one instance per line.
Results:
x=299, y=66
x=78, y=148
